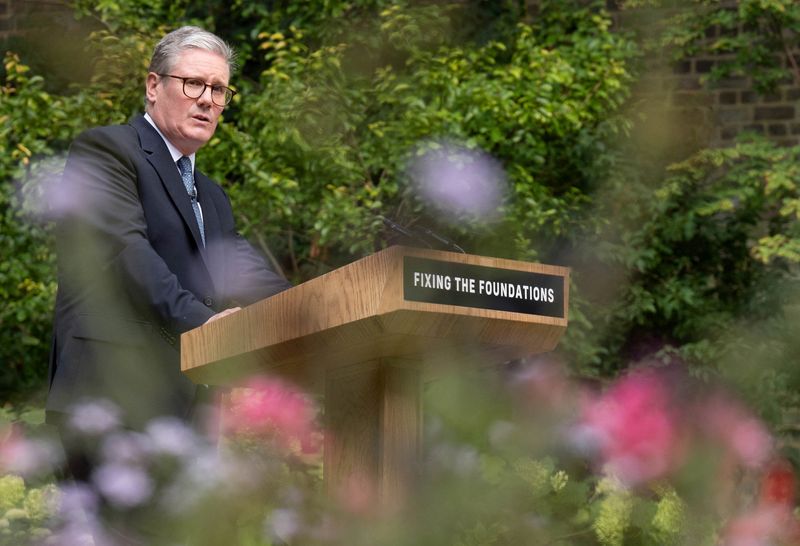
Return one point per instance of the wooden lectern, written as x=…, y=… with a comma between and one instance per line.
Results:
x=369, y=334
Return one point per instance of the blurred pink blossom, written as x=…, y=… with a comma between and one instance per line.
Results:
x=737, y=430
x=273, y=409
x=772, y=520
x=358, y=494
x=634, y=428
x=759, y=527
x=778, y=484
x=26, y=456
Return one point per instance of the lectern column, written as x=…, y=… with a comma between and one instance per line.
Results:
x=373, y=414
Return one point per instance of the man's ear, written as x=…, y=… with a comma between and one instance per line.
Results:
x=151, y=83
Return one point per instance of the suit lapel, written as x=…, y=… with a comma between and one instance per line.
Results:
x=159, y=157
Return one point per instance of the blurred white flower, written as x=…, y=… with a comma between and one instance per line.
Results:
x=78, y=534
x=457, y=180
x=76, y=499
x=94, y=418
x=44, y=194
x=462, y=460
x=283, y=524
x=501, y=432
x=124, y=486
x=204, y=474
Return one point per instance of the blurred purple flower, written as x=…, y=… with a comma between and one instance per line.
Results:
x=44, y=194
x=94, y=418
x=170, y=436
x=77, y=504
x=124, y=486
x=458, y=180
x=124, y=447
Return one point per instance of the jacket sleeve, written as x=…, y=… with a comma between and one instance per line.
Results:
x=102, y=235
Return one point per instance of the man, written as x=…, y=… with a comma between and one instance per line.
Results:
x=147, y=246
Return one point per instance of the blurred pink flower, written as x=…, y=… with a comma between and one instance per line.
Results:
x=26, y=456
x=358, y=494
x=737, y=430
x=778, y=484
x=634, y=429
x=772, y=520
x=759, y=527
x=277, y=411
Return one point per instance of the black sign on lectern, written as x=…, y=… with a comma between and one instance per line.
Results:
x=466, y=285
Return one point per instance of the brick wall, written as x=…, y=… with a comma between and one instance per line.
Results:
x=731, y=106
x=19, y=16
x=6, y=19
x=705, y=114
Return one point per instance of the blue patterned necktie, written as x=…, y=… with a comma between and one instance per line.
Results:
x=185, y=166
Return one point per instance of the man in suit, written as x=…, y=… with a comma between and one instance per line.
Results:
x=147, y=246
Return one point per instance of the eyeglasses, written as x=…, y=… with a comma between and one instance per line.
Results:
x=194, y=89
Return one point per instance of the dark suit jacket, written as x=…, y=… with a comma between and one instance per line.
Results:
x=133, y=274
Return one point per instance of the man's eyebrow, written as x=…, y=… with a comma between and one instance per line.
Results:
x=212, y=82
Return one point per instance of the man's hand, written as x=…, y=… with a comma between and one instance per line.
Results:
x=223, y=313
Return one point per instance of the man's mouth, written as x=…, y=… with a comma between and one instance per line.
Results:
x=201, y=117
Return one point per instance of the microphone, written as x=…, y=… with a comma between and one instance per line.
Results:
x=421, y=234
x=397, y=228
x=442, y=240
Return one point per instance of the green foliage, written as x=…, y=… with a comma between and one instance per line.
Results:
x=324, y=144
x=24, y=511
x=713, y=244
x=27, y=280
x=614, y=517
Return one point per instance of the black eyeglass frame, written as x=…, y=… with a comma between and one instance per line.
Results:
x=228, y=92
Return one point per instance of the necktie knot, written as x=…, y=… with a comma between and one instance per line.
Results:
x=185, y=167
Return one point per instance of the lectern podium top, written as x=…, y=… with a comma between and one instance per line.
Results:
x=400, y=302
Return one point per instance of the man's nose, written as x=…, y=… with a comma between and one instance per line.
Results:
x=205, y=96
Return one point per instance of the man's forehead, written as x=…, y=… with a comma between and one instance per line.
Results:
x=205, y=63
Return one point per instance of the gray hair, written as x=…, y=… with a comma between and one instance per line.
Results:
x=188, y=37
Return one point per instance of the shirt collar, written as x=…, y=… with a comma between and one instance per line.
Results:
x=173, y=151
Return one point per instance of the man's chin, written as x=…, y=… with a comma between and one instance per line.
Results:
x=198, y=139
